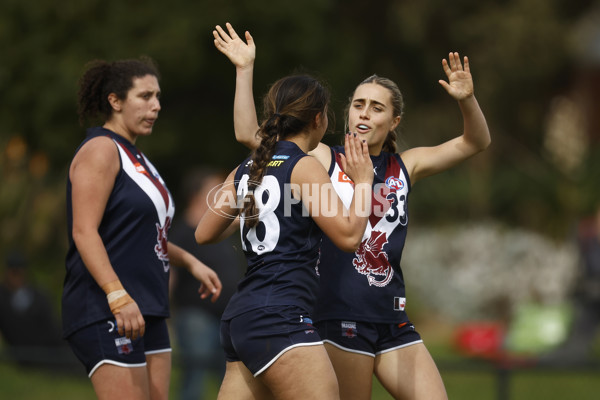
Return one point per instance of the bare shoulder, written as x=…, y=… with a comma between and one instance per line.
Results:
x=410, y=156
x=323, y=154
x=98, y=154
x=309, y=170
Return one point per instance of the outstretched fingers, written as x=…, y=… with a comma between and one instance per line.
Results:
x=221, y=38
x=466, y=62
x=460, y=83
x=452, y=64
x=231, y=31
x=225, y=37
x=240, y=53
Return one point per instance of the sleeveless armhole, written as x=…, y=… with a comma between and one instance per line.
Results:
x=403, y=167
x=294, y=162
x=332, y=162
x=119, y=155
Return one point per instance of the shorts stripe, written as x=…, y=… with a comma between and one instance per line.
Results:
x=100, y=343
x=118, y=364
x=283, y=351
x=167, y=350
x=368, y=338
x=399, y=347
x=366, y=353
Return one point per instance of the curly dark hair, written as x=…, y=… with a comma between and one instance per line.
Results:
x=102, y=78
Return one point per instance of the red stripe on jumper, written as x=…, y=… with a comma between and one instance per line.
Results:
x=144, y=170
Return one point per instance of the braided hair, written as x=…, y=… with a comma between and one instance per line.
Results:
x=290, y=106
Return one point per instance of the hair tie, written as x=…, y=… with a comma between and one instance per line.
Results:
x=277, y=115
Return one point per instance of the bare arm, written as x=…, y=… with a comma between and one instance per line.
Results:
x=245, y=121
x=425, y=161
x=218, y=220
x=242, y=55
x=345, y=227
x=92, y=174
x=211, y=285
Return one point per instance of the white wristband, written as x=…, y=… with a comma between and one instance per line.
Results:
x=117, y=294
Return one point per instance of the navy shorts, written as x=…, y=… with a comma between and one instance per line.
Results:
x=100, y=343
x=259, y=337
x=368, y=338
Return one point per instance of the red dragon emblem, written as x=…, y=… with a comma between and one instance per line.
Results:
x=372, y=261
x=161, y=247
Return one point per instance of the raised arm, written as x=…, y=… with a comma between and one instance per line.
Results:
x=425, y=161
x=242, y=55
x=245, y=122
x=345, y=227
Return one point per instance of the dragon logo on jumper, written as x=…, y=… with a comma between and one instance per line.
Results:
x=161, y=248
x=372, y=261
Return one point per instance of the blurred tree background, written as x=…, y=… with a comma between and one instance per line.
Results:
x=533, y=61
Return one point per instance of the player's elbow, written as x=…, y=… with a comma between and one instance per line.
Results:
x=243, y=141
x=249, y=142
x=485, y=143
x=477, y=146
x=349, y=243
x=202, y=236
x=81, y=235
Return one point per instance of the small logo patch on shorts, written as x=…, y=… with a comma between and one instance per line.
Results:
x=123, y=345
x=399, y=303
x=309, y=324
x=349, y=329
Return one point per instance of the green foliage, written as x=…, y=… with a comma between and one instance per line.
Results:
x=521, y=55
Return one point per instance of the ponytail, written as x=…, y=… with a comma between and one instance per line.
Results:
x=390, y=142
x=290, y=106
x=260, y=158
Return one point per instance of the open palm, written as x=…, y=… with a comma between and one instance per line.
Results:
x=460, y=81
x=229, y=43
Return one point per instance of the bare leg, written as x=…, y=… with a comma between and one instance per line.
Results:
x=410, y=373
x=240, y=384
x=302, y=373
x=354, y=373
x=159, y=375
x=113, y=382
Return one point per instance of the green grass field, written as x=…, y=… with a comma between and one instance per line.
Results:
x=464, y=379
x=25, y=384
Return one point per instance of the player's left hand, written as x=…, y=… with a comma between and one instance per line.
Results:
x=211, y=284
x=241, y=54
x=460, y=81
x=356, y=162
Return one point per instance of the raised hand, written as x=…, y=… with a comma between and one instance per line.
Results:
x=460, y=81
x=241, y=54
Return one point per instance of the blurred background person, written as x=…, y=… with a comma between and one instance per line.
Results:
x=579, y=345
x=196, y=322
x=29, y=325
